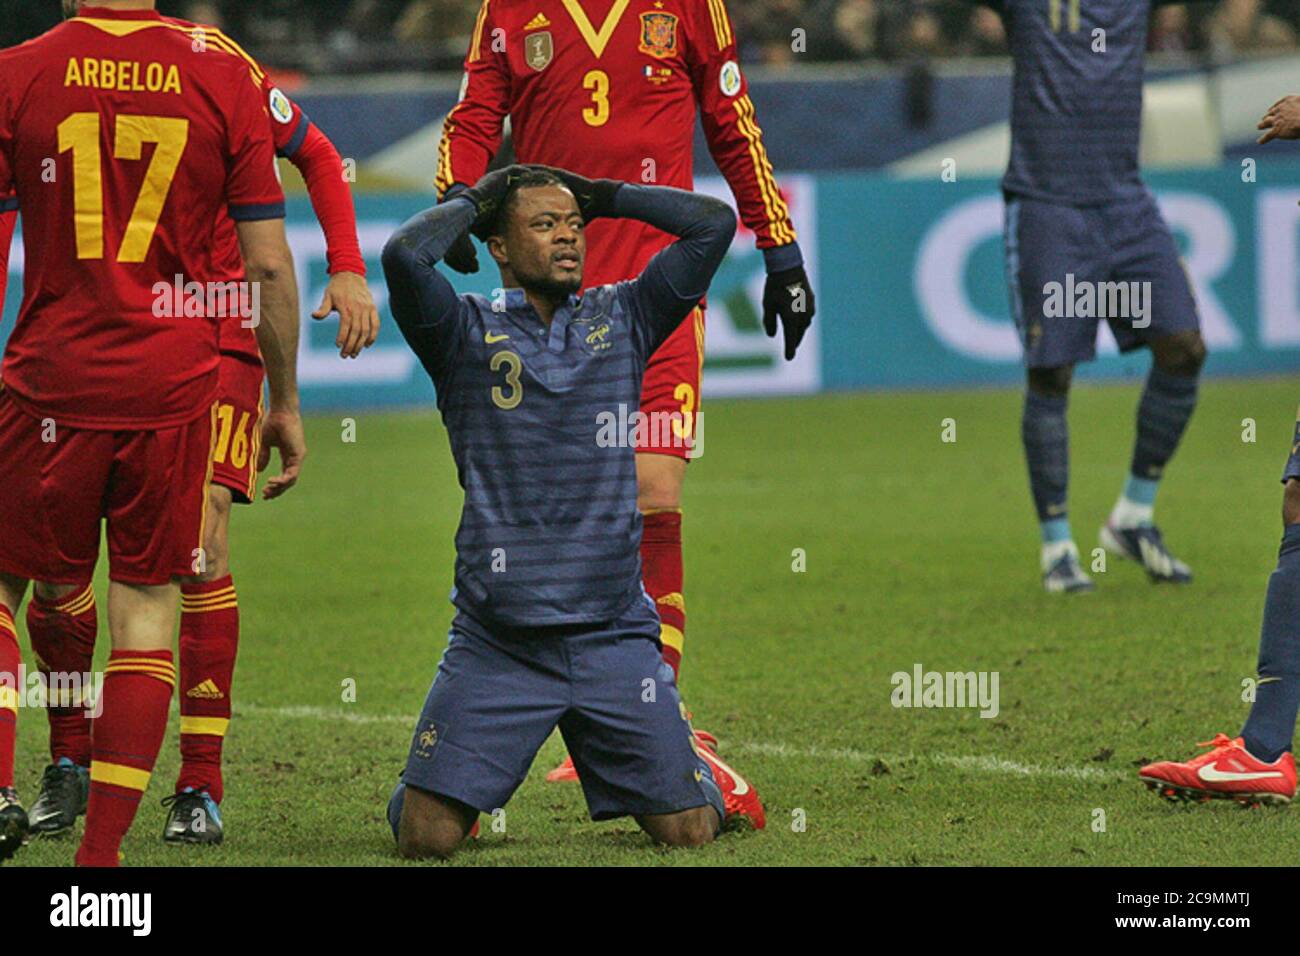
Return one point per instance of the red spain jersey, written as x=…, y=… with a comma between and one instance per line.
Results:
x=610, y=89
x=124, y=142
x=288, y=125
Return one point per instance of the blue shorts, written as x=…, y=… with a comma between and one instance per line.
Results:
x=1114, y=250
x=499, y=693
x=1292, y=469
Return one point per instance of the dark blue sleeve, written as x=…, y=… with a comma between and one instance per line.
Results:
x=676, y=279
x=423, y=302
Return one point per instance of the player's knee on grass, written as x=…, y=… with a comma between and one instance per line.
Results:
x=686, y=828
x=216, y=537
x=1180, y=354
x=659, y=480
x=1054, y=382
x=1291, y=502
x=432, y=825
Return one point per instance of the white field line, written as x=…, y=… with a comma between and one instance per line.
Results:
x=975, y=763
x=327, y=714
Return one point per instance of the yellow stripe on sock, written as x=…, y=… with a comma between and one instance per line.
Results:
x=140, y=666
x=78, y=603
x=119, y=775
x=158, y=667
x=228, y=591
x=8, y=699
x=165, y=674
x=672, y=637
x=204, y=608
x=211, y=726
x=168, y=673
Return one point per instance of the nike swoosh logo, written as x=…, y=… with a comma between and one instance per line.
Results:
x=1212, y=774
x=742, y=786
x=491, y=339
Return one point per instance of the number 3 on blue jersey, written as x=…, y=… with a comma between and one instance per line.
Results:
x=513, y=367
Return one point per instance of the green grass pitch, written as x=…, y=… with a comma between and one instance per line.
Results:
x=917, y=551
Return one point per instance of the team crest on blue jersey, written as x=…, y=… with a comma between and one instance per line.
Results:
x=426, y=741
x=598, y=337
x=596, y=333
x=658, y=34
x=539, y=50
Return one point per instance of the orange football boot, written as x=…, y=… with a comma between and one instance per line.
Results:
x=1226, y=772
x=738, y=798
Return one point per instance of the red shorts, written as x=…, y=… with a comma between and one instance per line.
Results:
x=239, y=427
x=671, y=388
x=59, y=483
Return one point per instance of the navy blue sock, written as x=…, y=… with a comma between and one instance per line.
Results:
x=1163, y=413
x=1271, y=723
x=1047, y=451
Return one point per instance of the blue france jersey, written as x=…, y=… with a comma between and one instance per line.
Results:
x=1076, y=111
x=550, y=531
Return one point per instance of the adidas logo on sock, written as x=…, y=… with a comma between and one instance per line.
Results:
x=207, y=690
x=537, y=22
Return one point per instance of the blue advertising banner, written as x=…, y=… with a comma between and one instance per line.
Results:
x=911, y=289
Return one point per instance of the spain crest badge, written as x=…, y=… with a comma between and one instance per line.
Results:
x=658, y=34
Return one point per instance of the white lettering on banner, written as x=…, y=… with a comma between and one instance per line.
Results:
x=740, y=362
x=1211, y=247
x=1277, y=262
x=320, y=365
x=942, y=262
x=940, y=283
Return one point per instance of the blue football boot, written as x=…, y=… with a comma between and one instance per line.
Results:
x=1062, y=573
x=1145, y=546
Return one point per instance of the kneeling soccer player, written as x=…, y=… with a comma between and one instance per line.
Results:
x=1257, y=766
x=554, y=626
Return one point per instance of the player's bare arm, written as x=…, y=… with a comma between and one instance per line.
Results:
x=349, y=295
x=1282, y=121
x=269, y=262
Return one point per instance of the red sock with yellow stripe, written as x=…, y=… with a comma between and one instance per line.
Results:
x=126, y=738
x=63, y=641
x=661, y=571
x=209, y=643
x=10, y=658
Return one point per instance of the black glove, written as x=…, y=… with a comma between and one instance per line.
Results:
x=595, y=196
x=487, y=195
x=788, y=295
x=461, y=256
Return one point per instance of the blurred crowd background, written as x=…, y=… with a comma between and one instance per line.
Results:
x=368, y=36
